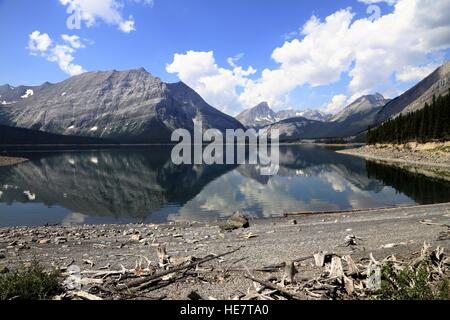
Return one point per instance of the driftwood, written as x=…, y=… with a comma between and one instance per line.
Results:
x=351, y=265
x=289, y=272
x=274, y=267
x=272, y=286
x=337, y=271
x=144, y=282
x=86, y=295
x=431, y=223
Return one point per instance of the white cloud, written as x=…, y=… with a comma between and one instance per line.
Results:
x=218, y=86
x=370, y=52
x=73, y=40
x=62, y=54
x=38, y=42
x=338, y=102
x=412, y=73
x=109, y=11
x=128, y=25
x=232, y=60
x=402, y=45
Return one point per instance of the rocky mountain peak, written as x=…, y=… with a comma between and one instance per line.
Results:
x=263, y=106
x=127, y=106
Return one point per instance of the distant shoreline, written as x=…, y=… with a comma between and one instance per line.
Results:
x=430, y=159
x=321, y=144
x=10, y=161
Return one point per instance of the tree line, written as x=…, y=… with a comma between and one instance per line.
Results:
x=430, y=123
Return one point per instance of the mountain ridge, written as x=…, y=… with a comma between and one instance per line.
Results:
x=127, y=106
x=414, y=99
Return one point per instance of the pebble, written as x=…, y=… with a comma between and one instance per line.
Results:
x=136, y=237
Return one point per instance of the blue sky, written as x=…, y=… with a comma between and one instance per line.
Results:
x=205, y=34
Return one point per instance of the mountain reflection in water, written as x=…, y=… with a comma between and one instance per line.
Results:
x=143, y=185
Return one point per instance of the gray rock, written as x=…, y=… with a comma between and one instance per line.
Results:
x=236, y=221
x=136, y=237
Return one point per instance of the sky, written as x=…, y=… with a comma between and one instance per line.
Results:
x=235, y=53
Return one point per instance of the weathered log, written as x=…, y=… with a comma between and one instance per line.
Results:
x=146, y=281
x=270, y=285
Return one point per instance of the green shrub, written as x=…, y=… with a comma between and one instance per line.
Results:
x=30, y=283
x=412, y=283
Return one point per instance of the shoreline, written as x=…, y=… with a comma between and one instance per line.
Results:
x=10, y=161
x=266, y=242
x=431, y=159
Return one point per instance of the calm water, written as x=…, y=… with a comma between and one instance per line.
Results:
x=118, y=186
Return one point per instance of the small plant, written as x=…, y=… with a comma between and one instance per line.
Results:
x=30, y=283
x=412, y=283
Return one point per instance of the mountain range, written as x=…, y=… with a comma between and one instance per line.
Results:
x=135, y=107
x=262, y=115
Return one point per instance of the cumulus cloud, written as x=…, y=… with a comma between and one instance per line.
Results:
x=369, y=51
x=338, y=102
x=108, y=11
x=218, y=86
x=63, y=54
x=38, y=42
x=376, y=54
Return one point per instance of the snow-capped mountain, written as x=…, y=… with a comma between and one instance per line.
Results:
x=262, y=115
x=309, y=114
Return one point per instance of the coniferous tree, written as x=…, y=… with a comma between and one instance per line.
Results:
x=430, y=123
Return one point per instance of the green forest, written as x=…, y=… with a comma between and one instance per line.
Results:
x=432, y=123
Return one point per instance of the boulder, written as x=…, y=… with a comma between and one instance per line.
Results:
x=236, y=221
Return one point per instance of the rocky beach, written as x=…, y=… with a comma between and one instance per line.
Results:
x=125, y=261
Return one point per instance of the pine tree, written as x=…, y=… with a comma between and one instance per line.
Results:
x=430, y=123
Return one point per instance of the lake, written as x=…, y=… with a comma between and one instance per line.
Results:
x=143, y=185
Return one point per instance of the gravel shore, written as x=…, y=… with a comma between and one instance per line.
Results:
x=267, y=241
